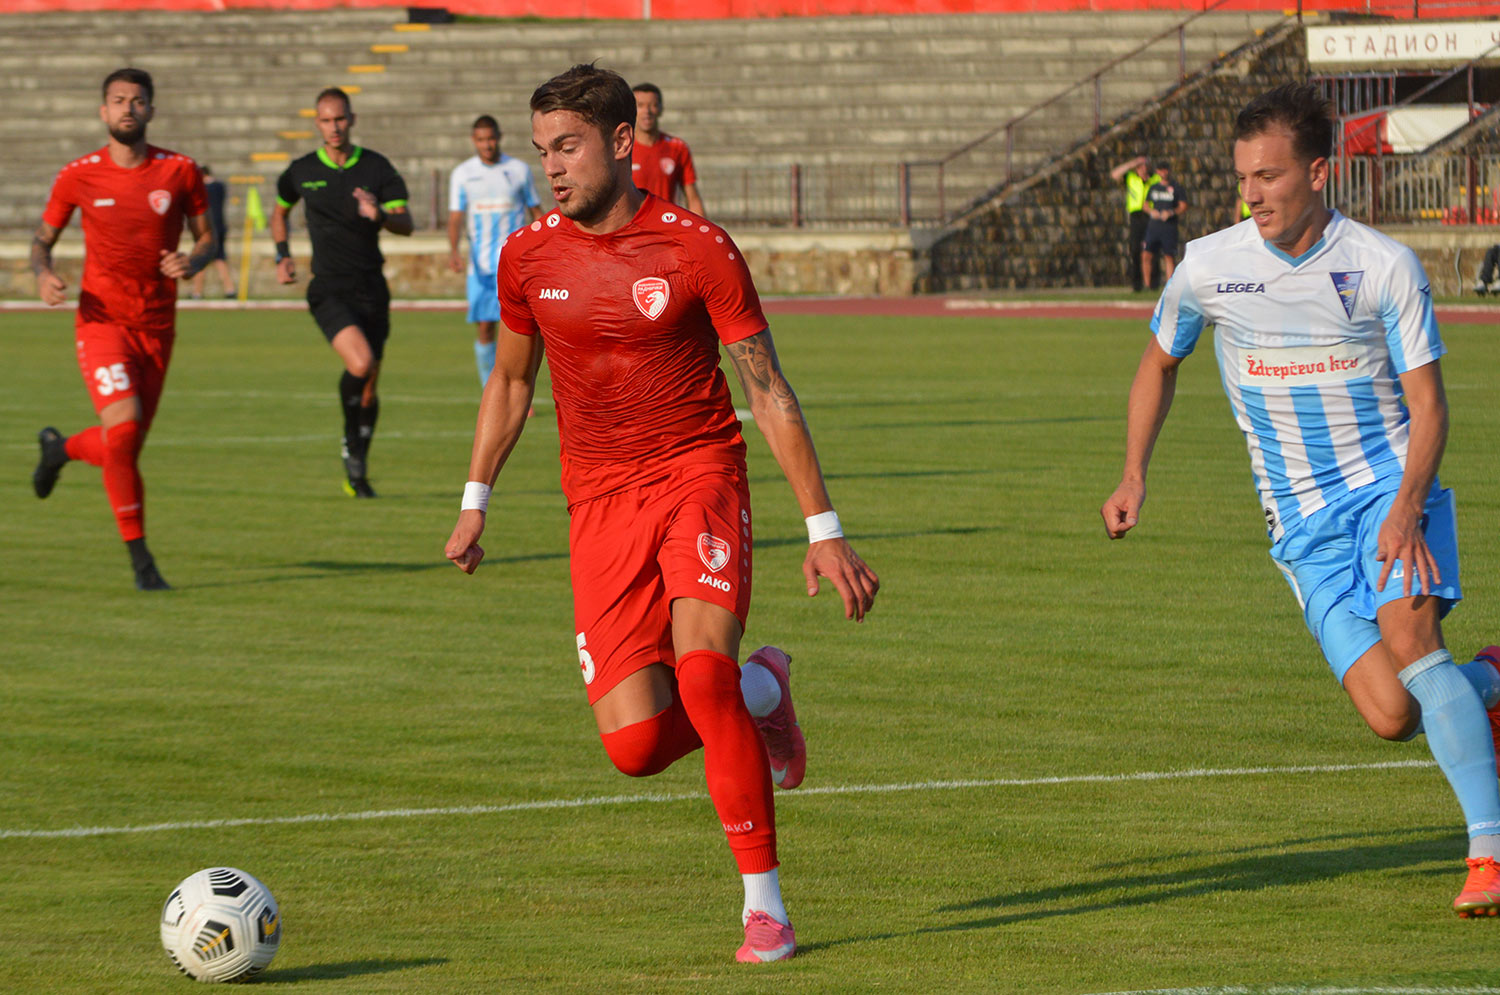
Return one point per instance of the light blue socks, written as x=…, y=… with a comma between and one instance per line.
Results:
x=1486, y=680
x=1458, y=733
x=484, y=358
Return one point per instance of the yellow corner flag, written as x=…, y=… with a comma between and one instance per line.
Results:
x=255, y=220
x=253, y=210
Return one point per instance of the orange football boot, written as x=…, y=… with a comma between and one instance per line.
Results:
x=1481, y=894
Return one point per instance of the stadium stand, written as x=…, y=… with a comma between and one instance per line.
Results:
x=845, y=99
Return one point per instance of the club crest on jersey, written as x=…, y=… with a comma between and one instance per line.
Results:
x=713, y=551
x=650, y=295
x=1347, y=284
x=159, y=200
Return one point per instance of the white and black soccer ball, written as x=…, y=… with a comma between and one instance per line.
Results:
x=221, y=924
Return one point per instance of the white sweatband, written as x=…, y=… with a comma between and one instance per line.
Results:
x=476, y=496
x=824, y=525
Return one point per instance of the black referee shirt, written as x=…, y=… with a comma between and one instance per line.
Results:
x=344, y=243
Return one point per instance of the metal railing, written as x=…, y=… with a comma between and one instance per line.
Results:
x=1085, y=99
x=1378, y=188
x=1436, y=188
x=936, y=191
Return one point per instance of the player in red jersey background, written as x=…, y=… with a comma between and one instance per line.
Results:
x=661, y=163
x=631, y=297
x=134, y=199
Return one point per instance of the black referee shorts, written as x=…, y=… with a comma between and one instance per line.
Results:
x=338, y=302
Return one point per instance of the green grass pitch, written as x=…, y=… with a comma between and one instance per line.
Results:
x=320, y=658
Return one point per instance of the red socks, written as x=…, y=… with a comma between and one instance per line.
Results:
x=87, y=445
x=734, y=756
x=116, y=451
x=650, y=747
x=122, y=478
x=710, y=712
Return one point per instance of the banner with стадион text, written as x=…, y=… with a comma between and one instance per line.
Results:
x=1408, y=42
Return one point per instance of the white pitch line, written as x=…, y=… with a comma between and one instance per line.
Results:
x=658, y=798
x=1309, y=990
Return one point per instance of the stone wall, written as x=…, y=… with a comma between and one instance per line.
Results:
x=1066, y=227
x=855, y=263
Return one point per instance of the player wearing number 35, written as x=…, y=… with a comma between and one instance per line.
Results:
x=1329, y=352
x=631, y=297
x=134, y=198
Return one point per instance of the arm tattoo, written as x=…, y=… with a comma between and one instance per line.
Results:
x=204, y=243
x=759, y=370
x=41, y=248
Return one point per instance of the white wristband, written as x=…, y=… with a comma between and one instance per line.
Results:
x=824, y=525
x=476, y=496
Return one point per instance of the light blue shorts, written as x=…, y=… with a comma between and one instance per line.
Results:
x=1329, y=560
x=484, y=303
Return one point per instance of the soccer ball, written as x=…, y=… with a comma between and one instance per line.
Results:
x=221, y=925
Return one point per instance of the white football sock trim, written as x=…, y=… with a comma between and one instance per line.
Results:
x=763, y=894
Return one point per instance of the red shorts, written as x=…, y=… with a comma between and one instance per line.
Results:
x=686, y=535
x=119, y=363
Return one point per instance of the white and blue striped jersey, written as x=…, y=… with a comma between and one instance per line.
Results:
x=495, y=199
x=1309, y=352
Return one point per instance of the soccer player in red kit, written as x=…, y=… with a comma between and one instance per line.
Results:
x=631, y=297
x=661, y=163
x=134, y=199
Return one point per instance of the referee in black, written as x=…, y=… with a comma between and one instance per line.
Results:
x=351, y=194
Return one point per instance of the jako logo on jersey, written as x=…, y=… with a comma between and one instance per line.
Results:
x=159, y=200
x=1240, y=288
x=105, y=202
x=552, y=294
x=713, y=551
x=650, y=295
x=718, y=583
x=1347, y=284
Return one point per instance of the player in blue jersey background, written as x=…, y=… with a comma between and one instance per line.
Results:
x=490, y=195
x=1330, y=353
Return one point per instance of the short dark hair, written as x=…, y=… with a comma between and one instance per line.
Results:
x=1301, y=109
x=599, y=96
x=485, y=121
x=139, y=77
x=333, y=91
x=649, y=88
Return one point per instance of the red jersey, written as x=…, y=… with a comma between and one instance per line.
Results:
x=631, y=322
x=129, y=216
x=662, y=167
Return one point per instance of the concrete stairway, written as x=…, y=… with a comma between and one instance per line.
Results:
x=846, y=99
